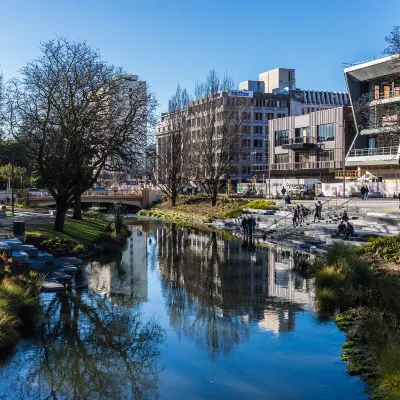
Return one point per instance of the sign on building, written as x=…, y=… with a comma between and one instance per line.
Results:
x=240, y=93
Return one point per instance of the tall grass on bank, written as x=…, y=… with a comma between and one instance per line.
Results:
x=19, y=305
x=348, y=282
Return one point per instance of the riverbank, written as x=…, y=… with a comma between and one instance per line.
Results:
x=91, y=236
x=198, y=210
x=364, y=301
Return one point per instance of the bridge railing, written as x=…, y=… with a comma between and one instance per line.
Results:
x=93, y=193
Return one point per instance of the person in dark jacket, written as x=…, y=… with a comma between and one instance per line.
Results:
x=349, y=231
x=245, y=226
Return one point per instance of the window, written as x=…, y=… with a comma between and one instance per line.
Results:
x=246, y=129
x=259, y=156
x=325, y=133
x=258, y=143
x=257, y=116
x=269, y=103
x=281, y=158
x=258, y=129
x=280, y=115
x=246, y=142
x=326, y=156
x=281, y=137
x=269, y=116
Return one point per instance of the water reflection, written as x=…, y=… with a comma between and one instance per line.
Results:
x=124, y=279
x=88, y=349
x=223, y=318
x=215, y=289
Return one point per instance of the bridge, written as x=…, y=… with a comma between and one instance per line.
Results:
x=139, y=198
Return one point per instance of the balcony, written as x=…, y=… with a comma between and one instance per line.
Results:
x=306, y=165
x=302, y=143
x=389, y=96
x=376, y=156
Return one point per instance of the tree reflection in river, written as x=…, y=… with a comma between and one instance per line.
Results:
x=214, y=288
x=90, y=349
x=193, y=289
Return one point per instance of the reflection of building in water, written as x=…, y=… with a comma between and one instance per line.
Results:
x=125, y=279
x=256, y=284
x=277, y=320
x=285, y=283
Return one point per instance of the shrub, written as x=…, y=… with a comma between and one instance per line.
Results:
x=387, y=248
x=327, y=299
x=234, y=213
x=338, y=254
x=329, y=277
x=261, y=204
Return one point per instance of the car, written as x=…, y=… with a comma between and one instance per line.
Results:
x=35, y=192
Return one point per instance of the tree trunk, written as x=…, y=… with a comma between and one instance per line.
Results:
x=214, y=197
x=77, y=206
x=173, y=198
x=60, y=217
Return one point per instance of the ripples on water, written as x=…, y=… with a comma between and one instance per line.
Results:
x=182, y=314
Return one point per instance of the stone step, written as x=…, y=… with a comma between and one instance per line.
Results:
x=52, y=285
x=20, y=256
x=14, y=243
x=36, y=265
x=43, y=256
x=5, y=248
x=32, y=251
x=60, y=276
x=68, y=260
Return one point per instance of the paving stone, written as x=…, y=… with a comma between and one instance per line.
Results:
x=14, y=243
x=19, y=256
x=32, y=251
x=43, y=256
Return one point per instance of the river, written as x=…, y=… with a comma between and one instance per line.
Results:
x=182, y=314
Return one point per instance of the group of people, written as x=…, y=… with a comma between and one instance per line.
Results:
x=249, y=225
x=299, y=214
x=364, y=192
x=345, y=227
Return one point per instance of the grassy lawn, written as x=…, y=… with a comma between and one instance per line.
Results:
x=82, y=232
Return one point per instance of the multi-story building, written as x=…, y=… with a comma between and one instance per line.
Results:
x=272, y=97
x=311, y=145
x=374, y=89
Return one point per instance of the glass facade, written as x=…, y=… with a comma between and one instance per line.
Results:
x=325, y=133
x=281, y=137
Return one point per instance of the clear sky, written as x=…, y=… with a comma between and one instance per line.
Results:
x=174, y=41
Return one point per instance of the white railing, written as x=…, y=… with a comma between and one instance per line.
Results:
x=379, y=151
x=306, y=165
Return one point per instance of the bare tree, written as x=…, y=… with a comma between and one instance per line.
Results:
x=74, y=114
x=216, y=119
x=170, y=167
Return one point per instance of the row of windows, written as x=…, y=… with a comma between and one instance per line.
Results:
x=256, y=143
x=304, y=157
x=259, y=116
x=325, y=133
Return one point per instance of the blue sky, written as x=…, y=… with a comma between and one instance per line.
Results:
x=174, y=41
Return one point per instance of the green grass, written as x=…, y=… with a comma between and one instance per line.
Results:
x=81, y=232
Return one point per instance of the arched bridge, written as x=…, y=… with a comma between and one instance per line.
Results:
x=140, y=198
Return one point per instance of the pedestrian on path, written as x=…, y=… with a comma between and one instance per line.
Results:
x=245, y=226
x=283, y=191
x=295, y=217
x=253, y=225
x=319, y=210
x=362, y=192
x=366, y=192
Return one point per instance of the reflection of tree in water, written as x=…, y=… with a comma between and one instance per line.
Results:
x=193, y=287
x=92, y=350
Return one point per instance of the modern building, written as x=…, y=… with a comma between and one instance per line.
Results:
x=374, y=90
x=273, y=96
x=311, y=145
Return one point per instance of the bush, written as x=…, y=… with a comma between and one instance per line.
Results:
x=338, y=254
x=387, y=248
x=327, y=299
x=330, y=278
x=236, y=212
x=261, y=204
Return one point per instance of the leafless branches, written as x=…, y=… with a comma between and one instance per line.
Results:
x=75, y=115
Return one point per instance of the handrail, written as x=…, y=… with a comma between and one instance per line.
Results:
x=377, y=151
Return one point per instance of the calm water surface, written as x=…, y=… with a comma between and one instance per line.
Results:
x=182, y=315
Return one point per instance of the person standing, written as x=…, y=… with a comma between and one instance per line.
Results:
x=244, y=226
x=295, y=216
x=366, y=192
x=283, y=191
x=253, y=225
x=319, y=210
x=362, y=192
